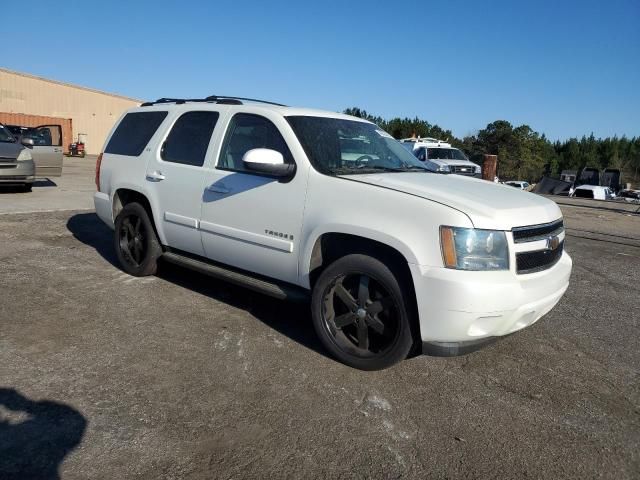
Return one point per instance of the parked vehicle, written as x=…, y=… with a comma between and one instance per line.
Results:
x=299, y=203
x=522, y=185
x=16, y=163
x=595, y=192
x=47, y=147
x=77, y=148
x=440, y=156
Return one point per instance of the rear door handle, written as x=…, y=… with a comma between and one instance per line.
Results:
x=218, y=188
x=155, y=176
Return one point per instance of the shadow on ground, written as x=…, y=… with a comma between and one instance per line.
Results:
x=44, y=182
x=287, y=318
x=36, y=436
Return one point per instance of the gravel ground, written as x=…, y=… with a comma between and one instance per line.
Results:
x=103, y=375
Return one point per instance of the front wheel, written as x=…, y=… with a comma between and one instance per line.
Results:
x=361, y=314
x=136, y=243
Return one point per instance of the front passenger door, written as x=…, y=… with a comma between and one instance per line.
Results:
x=47, y=150
x=249, y=220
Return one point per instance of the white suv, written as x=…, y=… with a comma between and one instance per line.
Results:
x=440, y=156
x=300, y=203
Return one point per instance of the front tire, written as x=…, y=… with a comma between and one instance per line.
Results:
x=361, y=314
x=136, y=242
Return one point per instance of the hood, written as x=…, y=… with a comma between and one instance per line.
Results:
x=489, y=205
x=9, y=151
x=463, y=163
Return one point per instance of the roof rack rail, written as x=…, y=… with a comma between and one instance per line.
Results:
x=220, y=99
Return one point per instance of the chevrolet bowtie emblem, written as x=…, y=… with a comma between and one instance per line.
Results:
x=553, y=243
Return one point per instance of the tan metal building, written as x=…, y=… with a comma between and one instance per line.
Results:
x=84, y=110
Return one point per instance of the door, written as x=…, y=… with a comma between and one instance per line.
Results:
x=47, y=150
x=249, y=220
x=175, y=179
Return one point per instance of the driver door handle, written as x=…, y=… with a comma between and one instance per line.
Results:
x=155, y=176
x=218, y=188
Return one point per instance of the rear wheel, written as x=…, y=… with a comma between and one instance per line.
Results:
x=361, y=314
x=136, y=243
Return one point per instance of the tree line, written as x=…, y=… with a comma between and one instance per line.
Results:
x=524, y=154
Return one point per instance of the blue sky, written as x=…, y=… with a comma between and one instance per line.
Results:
x=566, y=68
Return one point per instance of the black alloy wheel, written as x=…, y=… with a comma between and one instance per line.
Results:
x=360, y=313
x=132, y=240
x=137, y=245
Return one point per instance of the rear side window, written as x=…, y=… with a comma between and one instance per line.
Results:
x=134, y=132
x=189, y=138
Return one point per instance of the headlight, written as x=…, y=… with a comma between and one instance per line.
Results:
x=472, y=249
x=25, y=154
x=444, y=168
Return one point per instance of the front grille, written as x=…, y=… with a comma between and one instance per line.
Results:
x=537, y=232
x=536, y=261
x=463, y=170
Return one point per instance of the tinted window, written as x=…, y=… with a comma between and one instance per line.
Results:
x=247, y=132
x=188, y=140
x=584, y=193
x=134, y=132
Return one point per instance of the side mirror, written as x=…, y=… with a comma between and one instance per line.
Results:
x=267, y=161
x=27, y=142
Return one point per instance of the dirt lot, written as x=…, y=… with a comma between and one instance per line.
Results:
x=103, y=375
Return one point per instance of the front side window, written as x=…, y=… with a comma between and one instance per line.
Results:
x=347, y=147
x=134, y=132
x=189, y=138
x=246, y=132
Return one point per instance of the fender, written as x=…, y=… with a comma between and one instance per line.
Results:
x=356, y=230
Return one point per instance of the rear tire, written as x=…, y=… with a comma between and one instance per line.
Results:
x=361, y=313
x=136, y=242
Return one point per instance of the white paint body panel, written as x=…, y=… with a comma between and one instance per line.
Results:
x=269, y=226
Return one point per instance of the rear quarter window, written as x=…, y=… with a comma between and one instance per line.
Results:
x=134, y=132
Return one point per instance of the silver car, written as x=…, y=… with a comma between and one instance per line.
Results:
x=16, y=163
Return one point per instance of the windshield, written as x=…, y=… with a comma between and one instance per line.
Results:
x=5, y=136
x=347, y=147
x=445, y=154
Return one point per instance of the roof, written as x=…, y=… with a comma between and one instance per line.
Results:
x=590, y=187
x=65, y=84
x=254, y=106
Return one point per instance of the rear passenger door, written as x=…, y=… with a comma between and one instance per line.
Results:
x=175, y=179
x=47, y=150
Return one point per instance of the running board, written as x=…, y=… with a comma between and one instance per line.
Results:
x=273, y=288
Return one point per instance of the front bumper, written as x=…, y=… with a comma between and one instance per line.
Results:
x=18, y=173
x=466, y=308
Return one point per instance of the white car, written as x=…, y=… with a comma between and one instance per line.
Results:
x=440, y=156
x=300, y=203
x=522, y=185
x=593, y=191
